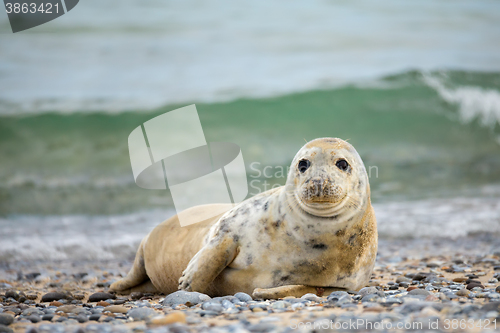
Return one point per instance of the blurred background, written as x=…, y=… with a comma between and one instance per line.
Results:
x=414, y=86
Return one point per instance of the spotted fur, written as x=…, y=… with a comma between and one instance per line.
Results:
x=316, y=233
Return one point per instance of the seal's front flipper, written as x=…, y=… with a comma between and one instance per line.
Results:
x=291, y=290
x=209, y=262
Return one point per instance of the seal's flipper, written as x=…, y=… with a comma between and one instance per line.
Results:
x=291, y=290
x=209, y=262
x=136, y=276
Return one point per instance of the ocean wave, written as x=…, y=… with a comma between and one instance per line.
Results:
x=473, y=102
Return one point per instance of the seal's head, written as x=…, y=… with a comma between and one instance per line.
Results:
x=327, y=178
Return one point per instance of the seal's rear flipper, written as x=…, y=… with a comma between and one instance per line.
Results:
x=291, y=290
x=136, y=277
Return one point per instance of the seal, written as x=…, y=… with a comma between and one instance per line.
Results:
x=317, y=233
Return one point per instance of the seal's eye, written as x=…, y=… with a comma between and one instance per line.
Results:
x=303, y=165
x=342, y=164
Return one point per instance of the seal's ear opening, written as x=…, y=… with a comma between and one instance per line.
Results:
x=303, y=165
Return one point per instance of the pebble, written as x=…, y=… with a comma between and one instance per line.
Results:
x=402, y=279
x=54, y=296
x=174, y=317
x=463, y=292
x=243, y=297
x=116, y=309
x=6, y=319
x=5, y=329
x=95, y=316
x=48, y=316
x=422, y=292
x=367, y=290
x=370, y=298
x=55, y=303
x=103, y=304
x=101, y=296
x=280, y=305
x=183, y=297
x=141, y=313
x=212, y=306
x=34, y=318
x=311, y=297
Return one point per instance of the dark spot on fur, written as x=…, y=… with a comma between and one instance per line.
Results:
x=249, y=259
x=257, y=202
x=352, y=239
x=315, y=245
x=285, y=278
x=266, y=206
x=296, y=228
x=277, y=224
x=309, y=226
x=236, y=238
x=340, y=233
x=319, y=246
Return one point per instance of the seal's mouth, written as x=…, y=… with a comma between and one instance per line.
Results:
x=322, y=206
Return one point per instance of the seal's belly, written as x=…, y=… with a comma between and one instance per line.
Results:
x=266, y=268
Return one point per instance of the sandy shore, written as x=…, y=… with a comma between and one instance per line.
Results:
x=429, y=284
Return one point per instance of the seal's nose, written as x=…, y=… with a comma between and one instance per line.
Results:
x=317, y=185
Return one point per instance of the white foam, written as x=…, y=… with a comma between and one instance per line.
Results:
x=473, y=102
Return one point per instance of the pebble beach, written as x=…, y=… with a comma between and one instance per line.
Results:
x=418, y=285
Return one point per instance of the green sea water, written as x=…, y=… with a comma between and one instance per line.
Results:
x=421, y=135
